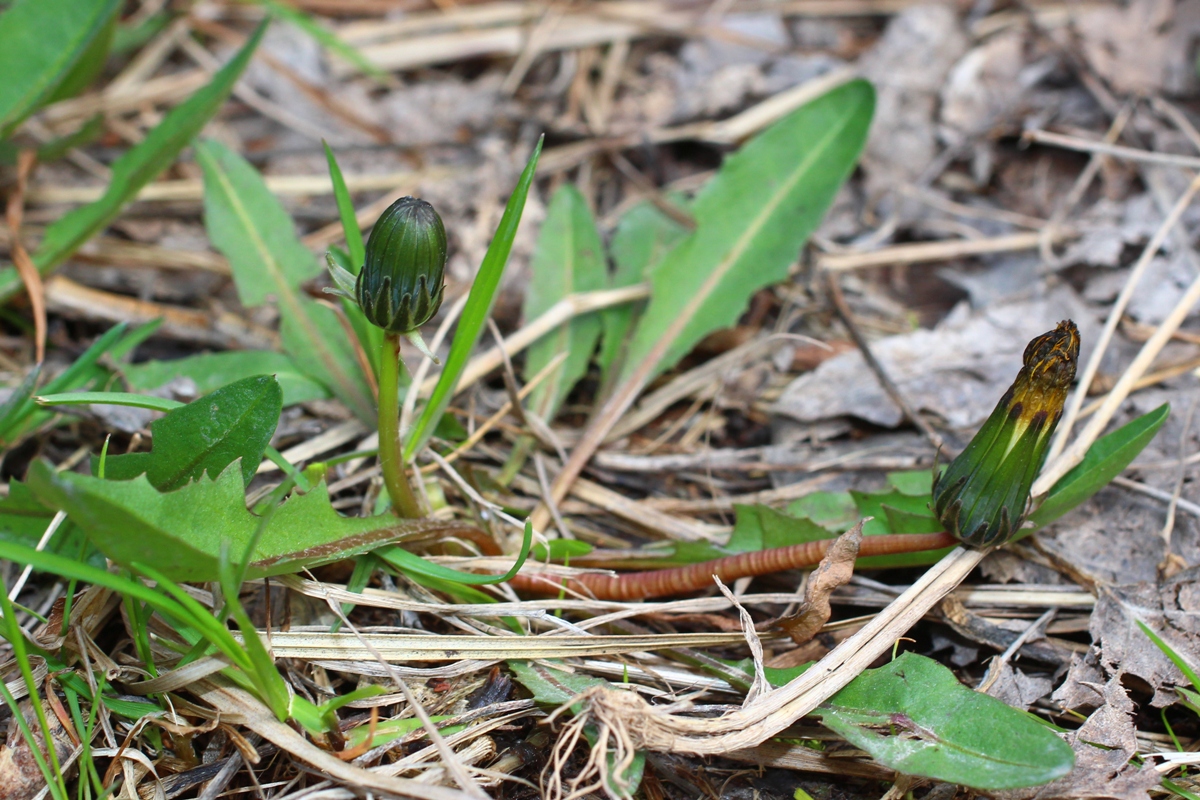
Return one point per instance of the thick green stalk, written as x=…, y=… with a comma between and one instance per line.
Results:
x=391, y=458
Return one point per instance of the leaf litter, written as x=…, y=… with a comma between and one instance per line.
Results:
x=943, y=167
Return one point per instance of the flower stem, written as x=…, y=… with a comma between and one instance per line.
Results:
x=391, y=458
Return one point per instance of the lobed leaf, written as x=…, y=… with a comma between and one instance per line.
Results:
x=234, y=423
x=181, y=533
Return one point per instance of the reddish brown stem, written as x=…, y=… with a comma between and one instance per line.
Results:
x=694, y=577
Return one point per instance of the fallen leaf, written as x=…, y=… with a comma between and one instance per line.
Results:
x=1170, y=610
x=908, y=66
x=957, y=371
x=835, y=569
x=1103, y=746
x=1143, y=47
x=20, y=776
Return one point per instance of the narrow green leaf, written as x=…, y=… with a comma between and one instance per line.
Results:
x=1104, y=460
x=180, y=533
x=40, y=42
x=20, y=399
x=1169, y=652
x=207, y=435
x=178, y=609
x=211, y=371
x=643, y=236
x=369, y=336
x=109, y=399
x=135, y=169
x=913, y=716
x=345, y=206
x=263, y=673
x=569, y=258
x=249, y=225
x=475, y=312
x=752, y=219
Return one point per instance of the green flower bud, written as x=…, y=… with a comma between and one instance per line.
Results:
x=982, y=497
x=400, y=286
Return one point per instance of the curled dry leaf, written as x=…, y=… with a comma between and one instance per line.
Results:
x=20, y=776
x=1103, y=746
x=835, y=570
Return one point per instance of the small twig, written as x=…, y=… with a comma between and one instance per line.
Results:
x=997, y=665
x=453, y=765
x=844, y=314
x=919, y=252
x=1158, y=494
x=1115, y=150
x=1169, y=524
x=536, y=425
x=509, y=405
x=539, y=464
x=1082, y=182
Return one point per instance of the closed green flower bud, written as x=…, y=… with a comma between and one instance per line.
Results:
x=982, y=497
x=400, y=285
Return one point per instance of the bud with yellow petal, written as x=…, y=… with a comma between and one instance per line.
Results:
x=982, y=497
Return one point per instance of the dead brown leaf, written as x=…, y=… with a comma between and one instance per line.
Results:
x=1103, y=746
x=20, y=776
x=1170, y=610
x=835, y=570
x=1142, y=47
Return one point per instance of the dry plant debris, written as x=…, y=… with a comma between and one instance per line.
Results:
x=163, y=170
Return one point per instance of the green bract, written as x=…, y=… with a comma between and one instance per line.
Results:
x=982, y=497
x=400, y=285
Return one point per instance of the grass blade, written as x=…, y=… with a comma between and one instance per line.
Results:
x=369, y=336
x=479, y=305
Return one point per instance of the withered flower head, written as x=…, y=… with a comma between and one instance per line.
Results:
x=982, y=497
x=400, y=285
